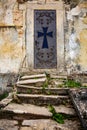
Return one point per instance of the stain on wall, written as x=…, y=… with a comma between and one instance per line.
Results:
x=12, y=44
x=83, y=50
x=12, y=50
x=78, y=22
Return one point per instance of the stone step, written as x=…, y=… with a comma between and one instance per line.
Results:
x=57, y=82
x=33, y=76
x=37, y=82
x=49, y=124
x=28, y=111
x=39, y=124
x=4, y=102
x=58, y=76
x=38, y=90
x=84, y=84
x=41, y=100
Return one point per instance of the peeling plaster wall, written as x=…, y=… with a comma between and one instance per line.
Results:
x=77, y=44
x=12, y=36
x=12, y=40
x=12, y=45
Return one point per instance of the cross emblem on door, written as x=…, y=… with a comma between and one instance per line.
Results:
x=44, y=34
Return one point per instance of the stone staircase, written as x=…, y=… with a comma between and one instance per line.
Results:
x=34, y=93
x=42, y=90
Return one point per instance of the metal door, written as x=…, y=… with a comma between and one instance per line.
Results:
x=45, y=55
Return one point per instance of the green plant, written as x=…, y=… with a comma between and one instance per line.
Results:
x=72, y=83
x=45, y=85
x=60, y=85
x=48, y=78
x=4, y=95
x=48, y=92
x=56, y=116
x=35, y=77
x=84, y=86
x=29, y=91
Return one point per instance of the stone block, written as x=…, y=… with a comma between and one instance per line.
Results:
x=18, y=18
x=33, y=76
x=8, y=124
x=41, y=100
x=39, y=81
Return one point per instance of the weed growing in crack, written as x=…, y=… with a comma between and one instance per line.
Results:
x=4, y=95
x=56, y=116
x=29, y=91
x=72, y=83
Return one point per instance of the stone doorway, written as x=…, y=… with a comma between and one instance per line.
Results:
x=45, y=54
x=45, y=36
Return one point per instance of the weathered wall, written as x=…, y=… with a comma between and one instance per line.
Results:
x=12, y=43
x=76, y=45
x=16, y=18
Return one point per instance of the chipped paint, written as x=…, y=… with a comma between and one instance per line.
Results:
x=83, y=36
x=12, y=45
x=12, y=38
x=83, y=4
x=11, y=50
x=85, y=20
x=18, y=18
x=83, y=50
x=73, y=47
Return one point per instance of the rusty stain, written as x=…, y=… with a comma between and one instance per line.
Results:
x=83, y=47
x=20, y=32
x=18, y=18
x=83, y=36
x=83, y=5
x=11, y=50
x=85, y=20
x=3, y=24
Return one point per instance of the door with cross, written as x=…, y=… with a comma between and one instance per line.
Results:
x=45, y=55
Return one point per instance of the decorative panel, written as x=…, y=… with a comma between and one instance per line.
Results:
x=45, y=55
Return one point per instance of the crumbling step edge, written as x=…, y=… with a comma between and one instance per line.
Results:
x=28, y=111
x=84, y=124
x=33, y=76
x=39, y=90
x=43, y=99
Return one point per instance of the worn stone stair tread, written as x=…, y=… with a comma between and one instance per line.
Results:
x=84, y=84
x=58, y=76
x=36, y=90
x=49, y=124
x=38, y=111
x=59, y=82
x=5, y=102
x=33, y=76
x=43, y=96
x=32, y=81
x=38, y=124
x=41, y=100
x=39, y=88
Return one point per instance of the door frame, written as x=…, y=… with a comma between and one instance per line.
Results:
x=59, y=7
